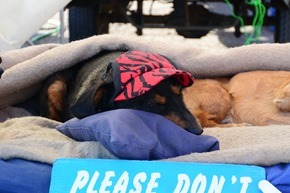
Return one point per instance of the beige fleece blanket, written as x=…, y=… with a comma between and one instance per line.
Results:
x=35, y=139
x=26, y=68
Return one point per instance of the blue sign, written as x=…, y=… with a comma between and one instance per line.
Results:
x=124, y=176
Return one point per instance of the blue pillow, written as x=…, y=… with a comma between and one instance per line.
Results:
x=19, y=175
x=133, y=134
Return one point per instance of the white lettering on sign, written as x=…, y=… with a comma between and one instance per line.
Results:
x=200, y=184
x=93, y=182
x=140, y=177
x=152, y=183
x=83, y=179
x=80, y=181
x=106, y=181
x=149, y=184
x=234, y=179
x=183, y=183
x=122, y=184
x=216, y=184
x=245, y=181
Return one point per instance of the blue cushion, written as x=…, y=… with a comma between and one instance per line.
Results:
x=18, y=175
x=278, y=175
x=133, y=134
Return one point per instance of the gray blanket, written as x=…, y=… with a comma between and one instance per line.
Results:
x=26, y=68
x=34, y=138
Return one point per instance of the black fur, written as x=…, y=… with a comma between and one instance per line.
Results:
x=90, y=90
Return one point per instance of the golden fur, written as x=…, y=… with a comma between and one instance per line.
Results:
x=249, y=98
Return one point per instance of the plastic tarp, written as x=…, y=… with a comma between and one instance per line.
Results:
x=20, y=19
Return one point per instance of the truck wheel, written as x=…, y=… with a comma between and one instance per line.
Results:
x=199, y=15
x=84, y=22
x=282, y=27
x=192, y=33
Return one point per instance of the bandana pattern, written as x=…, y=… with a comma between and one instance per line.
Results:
x=140, y=71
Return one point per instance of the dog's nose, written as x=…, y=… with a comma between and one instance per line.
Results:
x=192, y=125
x=197, y=130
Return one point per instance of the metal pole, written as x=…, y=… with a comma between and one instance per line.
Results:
x=62, y=26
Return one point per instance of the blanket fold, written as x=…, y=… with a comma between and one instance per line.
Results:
x=254, y=145
x=35, y=139
x=21, y=78
x=25, y=69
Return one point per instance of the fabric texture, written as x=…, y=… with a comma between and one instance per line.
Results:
x=25, y=69
x=133, y=134
x=19, y=175
x=250, y=145
x=35, y=139
x=140, y=71
x=279, y=175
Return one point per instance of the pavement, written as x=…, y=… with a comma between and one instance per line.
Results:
x=215, y=39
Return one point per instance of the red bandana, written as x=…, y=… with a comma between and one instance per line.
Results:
x=140, y=71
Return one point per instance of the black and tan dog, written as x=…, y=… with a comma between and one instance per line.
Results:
x=118, y=80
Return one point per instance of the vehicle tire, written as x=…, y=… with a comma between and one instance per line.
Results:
x=192, y=33
x=282, y=27
x=198, y=17
x=84, y=21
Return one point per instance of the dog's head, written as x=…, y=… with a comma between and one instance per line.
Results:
x=165, y=99
x=155, y=88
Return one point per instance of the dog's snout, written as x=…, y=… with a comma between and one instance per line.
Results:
x=197, y=130
x=192, y=125
x=187, y=121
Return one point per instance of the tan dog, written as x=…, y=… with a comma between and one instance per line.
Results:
x=249, y=98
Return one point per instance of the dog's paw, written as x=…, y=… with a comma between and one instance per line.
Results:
x=243, y=124
x=55, y=96
x=282, y=99
x=283, y=104
x=234, y=125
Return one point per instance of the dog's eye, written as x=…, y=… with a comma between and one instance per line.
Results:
x=176, y=89
x=159, y=99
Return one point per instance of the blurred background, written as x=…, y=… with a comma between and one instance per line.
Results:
x=209, y=24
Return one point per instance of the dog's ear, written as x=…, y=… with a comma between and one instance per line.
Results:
x=92, y=101
x=95, y=99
